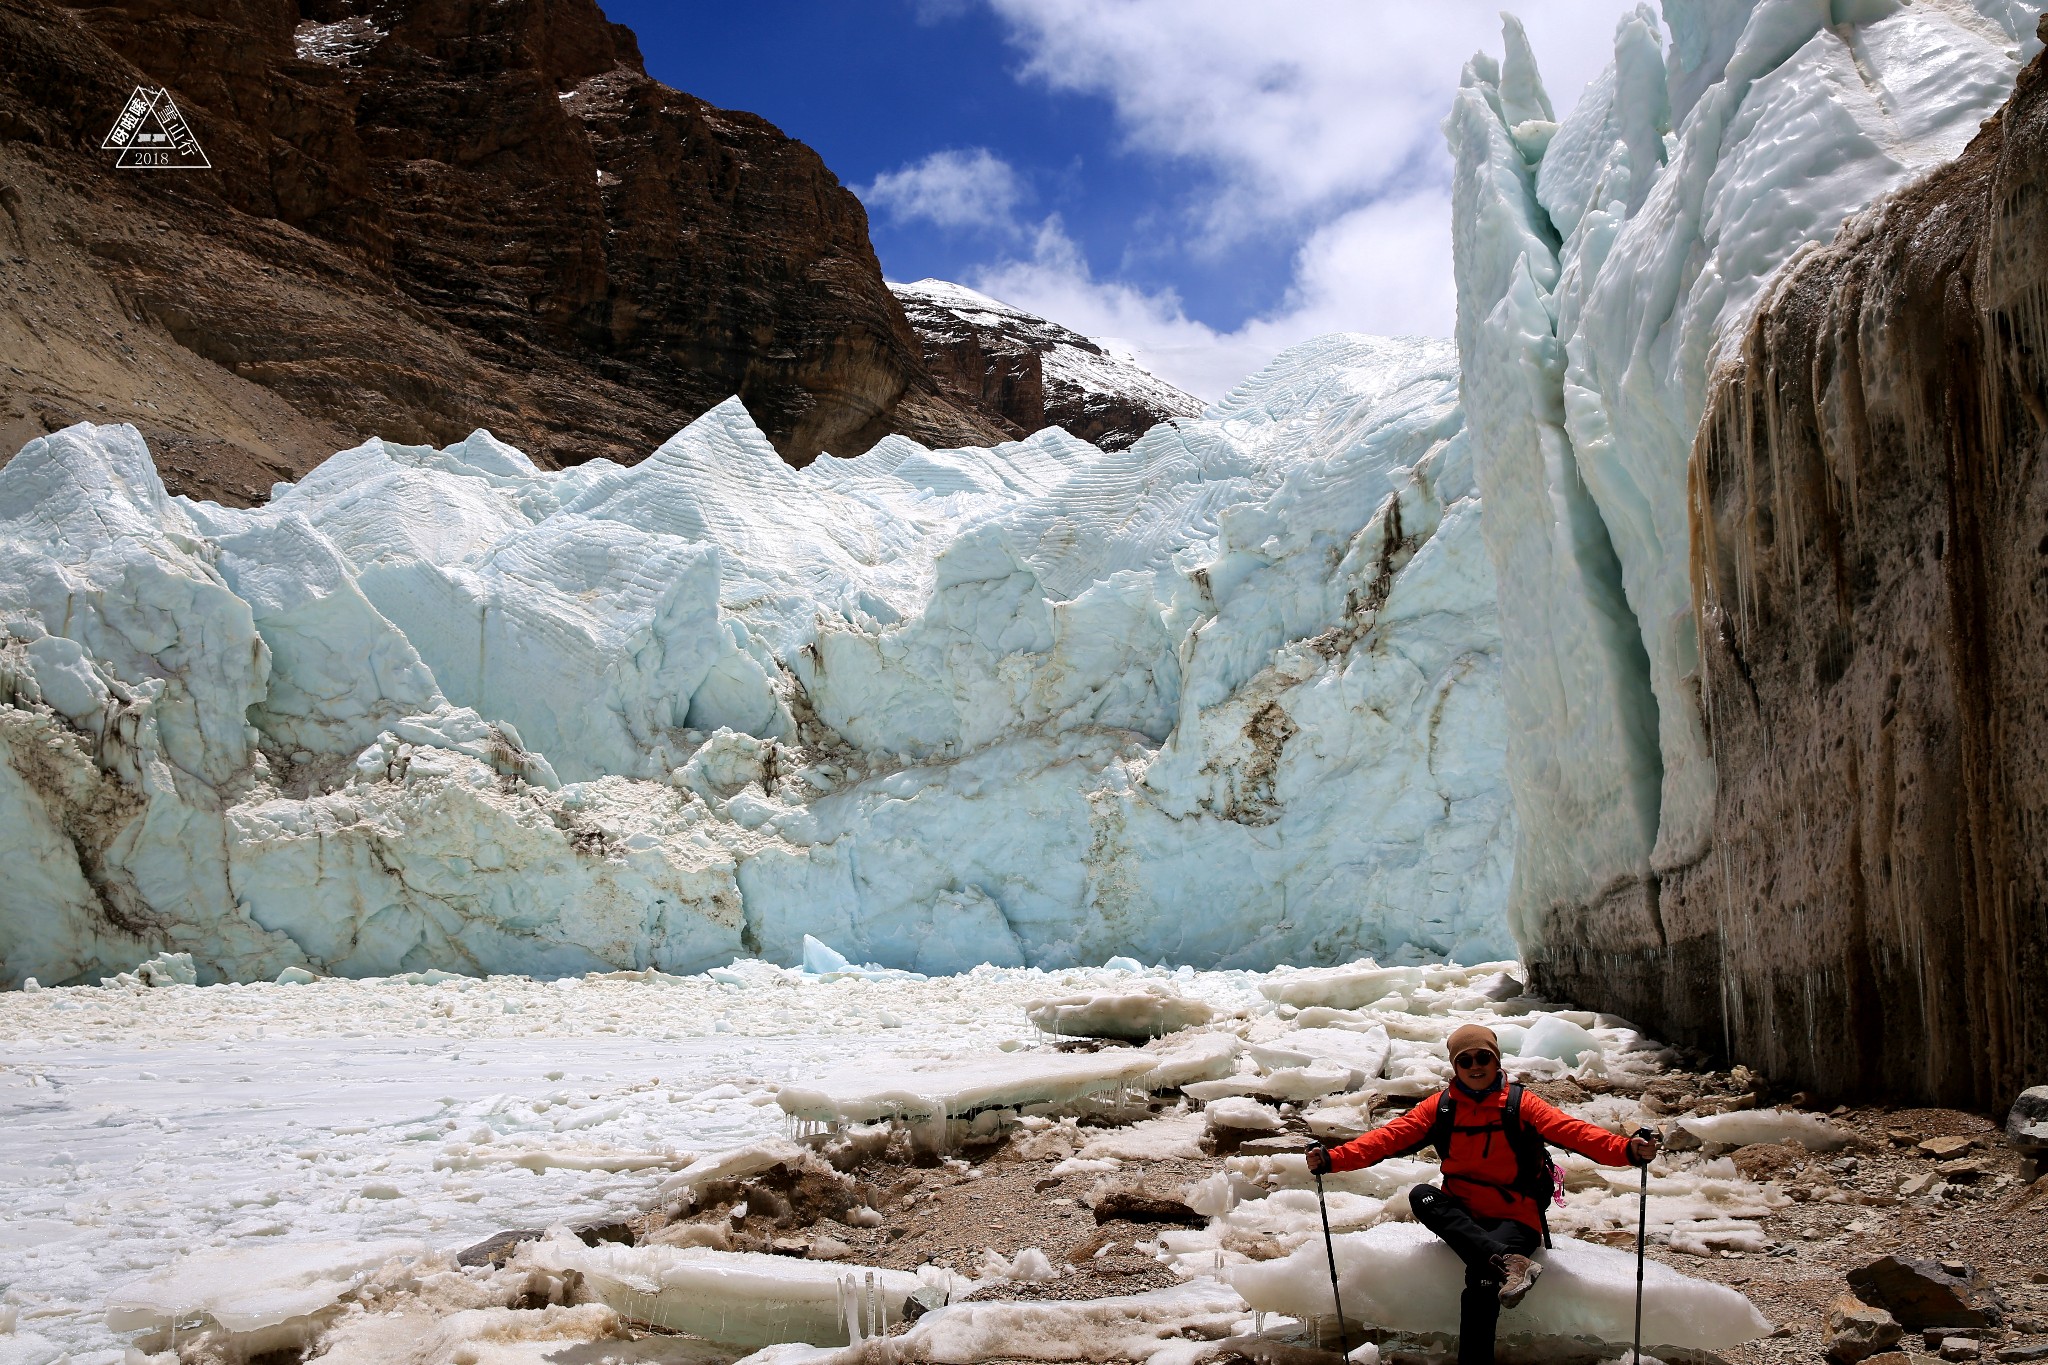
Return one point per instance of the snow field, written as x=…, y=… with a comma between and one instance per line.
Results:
x=180, y=1151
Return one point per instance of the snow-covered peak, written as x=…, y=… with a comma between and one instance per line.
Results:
x=1030, y=372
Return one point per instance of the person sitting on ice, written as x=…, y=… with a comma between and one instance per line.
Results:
x=1497, y=1177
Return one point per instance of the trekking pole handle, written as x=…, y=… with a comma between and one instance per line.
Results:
x=1649, y=1135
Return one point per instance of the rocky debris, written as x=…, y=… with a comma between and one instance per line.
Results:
x=1959, y=1348
x=1943, y=1148
x=1856, y=1331
x=2026, y=1127
x=1025, y=373
x=471, y=214
x=2015, y=1355
x=1136, y=1204
x=1926, y=1293
x=496, y=1249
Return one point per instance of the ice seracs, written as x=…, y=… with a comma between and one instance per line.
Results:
x=1227, y=696
x=1605, y=264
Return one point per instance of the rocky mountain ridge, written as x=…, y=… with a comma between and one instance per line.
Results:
x=1028, y=373
x=423, y=218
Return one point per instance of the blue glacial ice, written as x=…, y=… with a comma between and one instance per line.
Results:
x=1264, y=688
x=1606, y=268
x=1229, y=697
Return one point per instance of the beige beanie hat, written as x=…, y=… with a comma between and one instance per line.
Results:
x=1468, y=1036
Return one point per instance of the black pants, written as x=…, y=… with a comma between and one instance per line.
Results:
x=1477, y=1241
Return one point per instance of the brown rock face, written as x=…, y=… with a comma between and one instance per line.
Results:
x=1023, y=373
x=423, y=217
x=1870, y=558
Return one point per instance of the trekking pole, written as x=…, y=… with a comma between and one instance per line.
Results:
x=1642, y=1227
x=1330, y=1247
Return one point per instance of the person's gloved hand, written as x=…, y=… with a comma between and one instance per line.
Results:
x=1642, y=1148
x=1318, y=1157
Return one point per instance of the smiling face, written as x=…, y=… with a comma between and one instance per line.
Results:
x=1478, y=1067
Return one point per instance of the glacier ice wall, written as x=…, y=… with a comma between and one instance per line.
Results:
x=1606, y=266
x=1231, y=696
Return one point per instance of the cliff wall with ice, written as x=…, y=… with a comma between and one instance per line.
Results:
x=1740, y=842
x=1230, y=696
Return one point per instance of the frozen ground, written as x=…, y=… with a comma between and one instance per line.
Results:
x=138, y=1125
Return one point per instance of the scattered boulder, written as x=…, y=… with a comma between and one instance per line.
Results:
x=1139, y=1205
x=2026, y=1127
x=1856, y=1331
x=1965, y=1170
x=1271, y=1146
x=1922, y=1294
x=596, y=1234
x=922, y=1301
x=2019, y=1355
x=1943, y=1148
x=1960, y=1348
x=496, y=1249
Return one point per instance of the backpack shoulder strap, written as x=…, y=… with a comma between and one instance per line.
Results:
x=1446, y=1121
x=1532, y=1158
x=1439, y=1132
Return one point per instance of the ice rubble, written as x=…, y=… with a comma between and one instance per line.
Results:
x=1228, y=696
x=1399, y=1276
x=268, y=1298
x=1605, y=264
x=1148, y=1012
x=959, y=1086
x=1744, y=1127
x=739, y=1298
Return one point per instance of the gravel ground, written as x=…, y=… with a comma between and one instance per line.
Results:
x=1882, y=1194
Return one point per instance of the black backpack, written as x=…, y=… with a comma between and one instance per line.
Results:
x=1535, y=1173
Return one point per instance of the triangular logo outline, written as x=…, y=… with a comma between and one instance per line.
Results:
x=151, y=134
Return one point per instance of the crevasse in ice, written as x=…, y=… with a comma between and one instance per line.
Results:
x=1227, y=697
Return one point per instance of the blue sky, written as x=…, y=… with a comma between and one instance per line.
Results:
x=1201, y=181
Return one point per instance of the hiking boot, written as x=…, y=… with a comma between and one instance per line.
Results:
x=1517, y=1277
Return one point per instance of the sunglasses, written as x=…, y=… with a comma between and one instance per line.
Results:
x=1470, y=1060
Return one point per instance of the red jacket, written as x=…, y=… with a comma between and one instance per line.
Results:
x=1479, y=1148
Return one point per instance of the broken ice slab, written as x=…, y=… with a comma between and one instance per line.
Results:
x=1366, y=1052
x=739, y=1298
x=1149, y=1012
x=1748, y=1126
x=268, y=1295
x=1398, y=1276
x=914, y=1089
x=1291, y=1083
x=1131, y=1327
x=1360, y=983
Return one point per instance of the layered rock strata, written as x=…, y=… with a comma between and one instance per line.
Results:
x=1870, y=559
x=422, y=218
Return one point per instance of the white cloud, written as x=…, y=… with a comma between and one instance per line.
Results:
x=1382, y=268
x=1311, y=124
x=973, y=188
